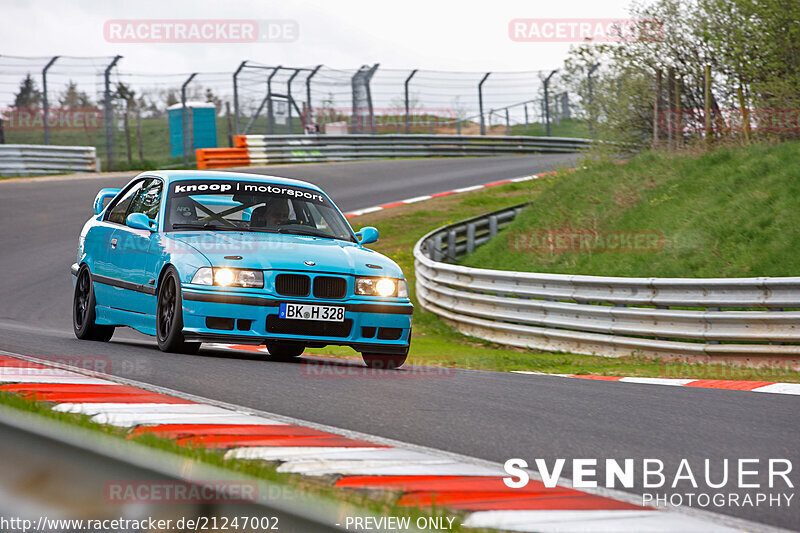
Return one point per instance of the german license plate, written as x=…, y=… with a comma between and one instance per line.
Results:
x=327, y=313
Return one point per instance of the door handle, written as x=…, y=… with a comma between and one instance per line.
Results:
x=114, y=243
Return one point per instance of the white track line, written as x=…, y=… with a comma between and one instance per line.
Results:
x=773, y=388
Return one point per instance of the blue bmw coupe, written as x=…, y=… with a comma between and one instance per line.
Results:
x=202, y=256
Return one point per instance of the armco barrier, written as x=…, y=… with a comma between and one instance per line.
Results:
x=736, y=319
x=269, y=149
x=33, y=159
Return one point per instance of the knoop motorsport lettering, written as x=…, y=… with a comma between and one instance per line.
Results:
x=654, y=474
x=234, y=187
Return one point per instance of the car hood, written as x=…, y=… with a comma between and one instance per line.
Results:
x=270, y=251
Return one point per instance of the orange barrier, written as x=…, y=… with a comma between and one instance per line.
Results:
x=222, y=157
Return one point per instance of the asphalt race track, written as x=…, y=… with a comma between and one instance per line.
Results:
x=493, y=416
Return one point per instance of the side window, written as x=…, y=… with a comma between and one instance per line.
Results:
x=148, y=199
x=119, y=212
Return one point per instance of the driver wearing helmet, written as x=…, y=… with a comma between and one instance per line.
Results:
x=274, y=213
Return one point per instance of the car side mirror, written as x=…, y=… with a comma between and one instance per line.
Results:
x=140, y=221
x=367, y=235
x=101, y=197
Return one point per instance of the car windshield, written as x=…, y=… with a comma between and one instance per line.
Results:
x=253, y=206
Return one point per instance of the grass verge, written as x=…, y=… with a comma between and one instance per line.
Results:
x=435, y=343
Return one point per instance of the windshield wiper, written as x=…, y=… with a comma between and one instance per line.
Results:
x=207, y=226
x=306, y=231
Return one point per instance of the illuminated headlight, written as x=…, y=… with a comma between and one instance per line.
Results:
x=381, y=287
x=229, y=277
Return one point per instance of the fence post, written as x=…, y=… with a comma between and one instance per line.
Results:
x=525, y=105
x=108, y=112
x=707, y=102
x=590, y=96
x=184, y=120
x=139, y=146
x=270, y=116
x=309, y=114
x=547, y=102
x=670, y=108
x=656, y=105
x=45, y=105
x=742, y=105
x=359, y=85
x=480, y=102
x=405, y=85
x=367, y=81
x=290, y=99
x=678, y=113
x=236, y=97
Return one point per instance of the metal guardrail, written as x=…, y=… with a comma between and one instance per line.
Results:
x=269, y=149
x=719, y=318
x=33, y=159
x=61, y=471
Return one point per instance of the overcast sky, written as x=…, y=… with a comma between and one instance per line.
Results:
x=427, y=34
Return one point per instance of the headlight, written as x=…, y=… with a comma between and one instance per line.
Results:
x=229, y=277
x=381, y=287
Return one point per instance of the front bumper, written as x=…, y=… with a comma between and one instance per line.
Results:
x=245, y=317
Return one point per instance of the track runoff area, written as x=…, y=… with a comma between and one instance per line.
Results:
x=507, y=496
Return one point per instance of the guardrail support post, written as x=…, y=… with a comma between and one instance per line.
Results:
x=236, y=97
x=547, y=102
x=437, y=248
x=45, y=105
x=480, y=102
x=405, y=85
x=309, y=111
x=108, y=112
x=451, y=245
x=492, y=226
x=470, y=237
x=185, y=121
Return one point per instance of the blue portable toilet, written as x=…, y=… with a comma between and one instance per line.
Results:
x=202, y=125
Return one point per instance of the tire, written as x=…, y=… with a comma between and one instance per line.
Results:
x=169, y=316
x=83, y=311
x=285, y=352
x=384, y=362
